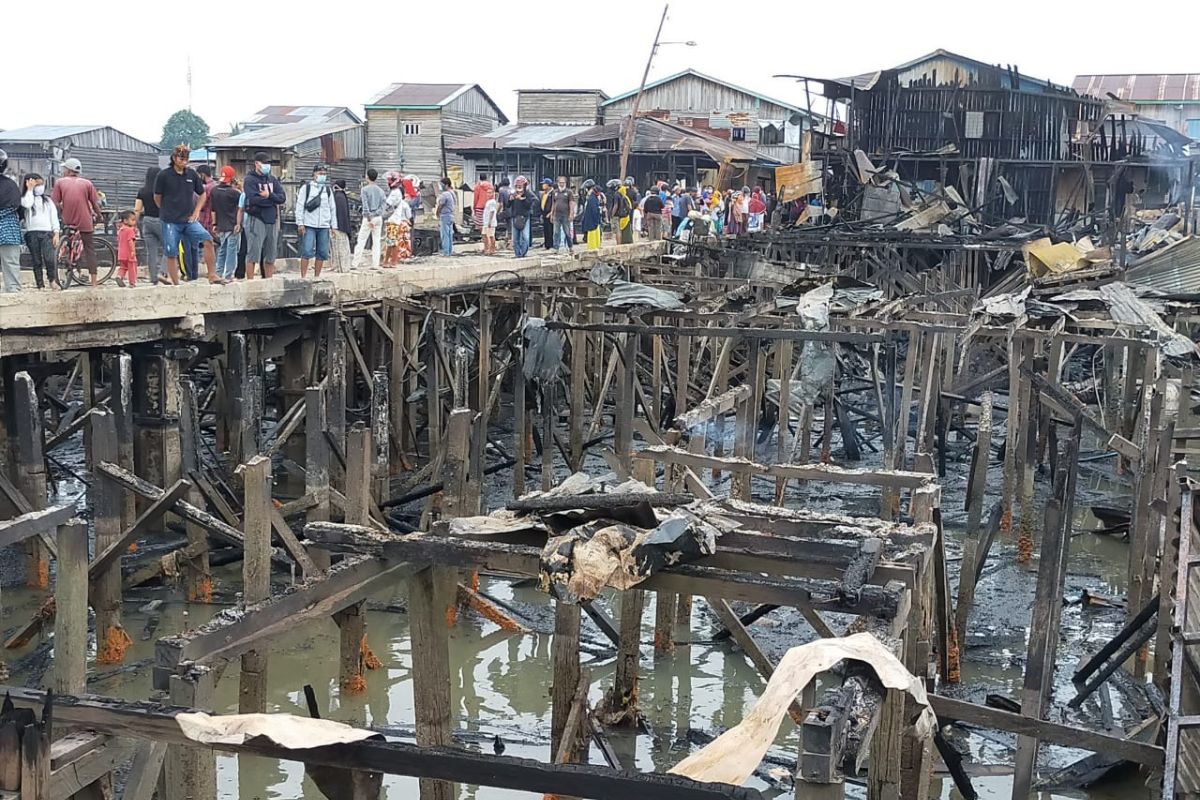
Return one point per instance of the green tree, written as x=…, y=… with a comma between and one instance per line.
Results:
x=184, y=127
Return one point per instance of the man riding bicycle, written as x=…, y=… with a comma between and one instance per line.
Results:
x=79, y=206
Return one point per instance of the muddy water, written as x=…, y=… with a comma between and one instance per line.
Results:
x=500, y=682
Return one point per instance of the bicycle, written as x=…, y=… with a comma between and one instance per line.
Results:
x=70, y=259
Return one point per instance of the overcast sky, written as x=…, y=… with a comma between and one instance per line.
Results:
x=254, y=53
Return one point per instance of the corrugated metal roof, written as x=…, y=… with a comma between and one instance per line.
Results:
x=1175, y=269
x=46, y=133
x=657, y=136
x=418, y=94
x=281, y=135
x=284, y=115
x=1177, y=87
x=528, y=136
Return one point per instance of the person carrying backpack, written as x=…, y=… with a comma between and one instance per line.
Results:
x=316, y=216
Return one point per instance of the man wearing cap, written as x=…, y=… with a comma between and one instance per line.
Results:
x=179, y=193
x=264, y=195
x=78, y=207
x=316, y=216
x=224, y=200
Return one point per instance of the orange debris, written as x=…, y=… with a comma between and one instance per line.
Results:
x=116, y=642
x=369, y=659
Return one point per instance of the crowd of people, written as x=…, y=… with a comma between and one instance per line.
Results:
x=184, y=217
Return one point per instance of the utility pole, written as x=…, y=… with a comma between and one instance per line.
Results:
x=637, y=99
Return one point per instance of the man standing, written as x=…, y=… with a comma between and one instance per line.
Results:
x=446, y=203
x=223, y=202
x=547, y=208
x=684, y=206
x=264, y=195
x=78, y=207
x=372, y=199
x=652, y=214
x=10, y=230
x=483, y=190
x=316, y=216
x=562, y=204
x=179, y=193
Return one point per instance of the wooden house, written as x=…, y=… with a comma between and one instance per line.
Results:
x=721, y=109
x=295, y=149
x=114, y=161
x=410, y=124
x=1170, y=98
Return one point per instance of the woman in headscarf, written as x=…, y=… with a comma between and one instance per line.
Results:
x=716, y=210
x=757, y=208
x=592, y=215
x=622, y=214
x=735, y=219
x=397, y=225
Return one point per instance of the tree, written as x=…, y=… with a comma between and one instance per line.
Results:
x=184, y=127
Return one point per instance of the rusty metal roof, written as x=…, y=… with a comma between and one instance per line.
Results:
x=1177, y=87
x=283, y=115
x=1174, y=269
x=529, y=136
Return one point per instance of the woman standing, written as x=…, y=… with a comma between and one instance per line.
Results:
x=522, y=206
x=592, y=216
x=735, y=217
x=622, y=212
x=339, y=242
x=147, y=213
x=41, y=229
x=397, y=226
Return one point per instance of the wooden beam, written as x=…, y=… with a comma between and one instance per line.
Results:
x=141, y=525
x=896, y=479
x=143, y=721
x=34, y=523
x=133, y=483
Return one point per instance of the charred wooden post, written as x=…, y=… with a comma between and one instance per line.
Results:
x=31, y=473
x=972, y=552
x=256, y=575
x=335, y=394
x=626, y=404
x=316, y=454
x=121, y=404
x=111, y=639
x=520, y=418
x=71, y=609
x=156, y=410
x=197, y=572
x=565, y=654
x=358, y=476
x=379, y=437
x=352, y=642
x=190, y=773
x=397, y=390
x=482, y=388
x=430, y=592
x=578, y=341
x=294, y=378
x=548, y=414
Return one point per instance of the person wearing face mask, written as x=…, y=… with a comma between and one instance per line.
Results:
x=41, y=229
x=264, y=195
x=316, y=216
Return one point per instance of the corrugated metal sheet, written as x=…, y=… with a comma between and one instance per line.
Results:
x=1174, y=269
x=286, y=115
x=532, y=137
x=282, y=136
x=417, y=94
x=97, y=136
x=1161, y=88
x=657, y=136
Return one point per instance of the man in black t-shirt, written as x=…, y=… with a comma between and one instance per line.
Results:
x=179, y=193
x=652, y=213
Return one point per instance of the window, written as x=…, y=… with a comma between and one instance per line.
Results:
x=770, y=135
x=739, y=135
x=1193, y=128
x=412, y=129
x=973, y=123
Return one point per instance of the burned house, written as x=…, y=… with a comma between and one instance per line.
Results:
x=1011, y=146
x=114, y=161
x=409, y=126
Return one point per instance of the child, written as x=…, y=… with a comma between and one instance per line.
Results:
x=127, y=265
x=491, y=210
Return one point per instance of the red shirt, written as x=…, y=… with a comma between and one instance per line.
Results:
x=76, y=197
x=481, y=194
x=126, y=243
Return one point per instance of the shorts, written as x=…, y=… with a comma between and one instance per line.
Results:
x=192, y=234
x=260, y=240
x=315, y=242
x=489, y=230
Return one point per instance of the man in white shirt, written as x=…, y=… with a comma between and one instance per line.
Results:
x=316, y=216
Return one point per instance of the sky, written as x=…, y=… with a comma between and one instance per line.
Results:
x=528, y=44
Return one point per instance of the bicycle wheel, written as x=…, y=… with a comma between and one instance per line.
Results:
x=106, y=260
x=68, y=266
